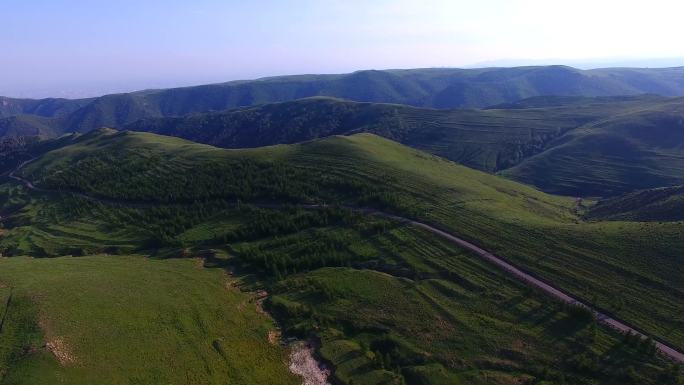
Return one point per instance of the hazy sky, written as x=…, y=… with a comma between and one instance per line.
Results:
x=89, y=47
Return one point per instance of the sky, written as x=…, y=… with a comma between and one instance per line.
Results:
x=79, y=48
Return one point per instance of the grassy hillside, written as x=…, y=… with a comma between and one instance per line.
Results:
x=639, y=149
x=50, y=107
x=130, y=320
x=605, y=263
x=27, y=125
x=489, y=140
x=476, y=326
x=661, y=204
x=567, y=145
x=574, y=146
x=435, y=88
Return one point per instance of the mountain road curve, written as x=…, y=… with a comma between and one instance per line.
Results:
x=507, y=267
x=601, y=317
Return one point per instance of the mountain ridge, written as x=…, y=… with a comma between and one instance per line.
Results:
x=431, y=87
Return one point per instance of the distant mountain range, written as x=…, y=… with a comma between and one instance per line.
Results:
x=432, y=88
x=579, y=142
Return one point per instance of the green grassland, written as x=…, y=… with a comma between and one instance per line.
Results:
x=135, y=192
x=432, y=313
x=564, y=145
x=490, y=140
x=660, y=204
x=132, y=320
x=638, y=149
x=567, y=145
x=358, y=284
x=633, y=269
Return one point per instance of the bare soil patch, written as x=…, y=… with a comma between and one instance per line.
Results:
x=274, y=337
x=61, y=351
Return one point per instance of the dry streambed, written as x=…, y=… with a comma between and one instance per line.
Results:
x=303, y=363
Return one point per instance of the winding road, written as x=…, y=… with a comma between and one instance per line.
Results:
x=25, y=182
x=513, y=271
x=547, y=288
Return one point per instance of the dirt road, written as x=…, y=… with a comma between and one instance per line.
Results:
x=530, y=280
x=23, y=181
x=603, y=318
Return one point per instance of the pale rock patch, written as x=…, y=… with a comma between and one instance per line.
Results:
x=303, y=363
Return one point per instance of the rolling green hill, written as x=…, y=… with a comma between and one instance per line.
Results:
x=153, y=192
x=27, y=125
x=569, y=145
x=566, y=145
x=638, y=149
x=433, y=88
x=573, y=146
x=660, y=204
x=489, y=140
x=354, y=281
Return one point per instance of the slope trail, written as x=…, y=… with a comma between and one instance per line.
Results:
x=603, y=318
x=518, y=274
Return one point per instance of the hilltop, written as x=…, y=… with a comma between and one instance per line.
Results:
x=489, y=140
x=576, y=146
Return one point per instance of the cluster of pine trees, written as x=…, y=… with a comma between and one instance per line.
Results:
x=307, y=238
x=141, y=178
x=149, y=178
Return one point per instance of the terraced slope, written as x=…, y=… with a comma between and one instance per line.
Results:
x=605, y=263
x=144, y=193
x=476, y=326
x=639, y=149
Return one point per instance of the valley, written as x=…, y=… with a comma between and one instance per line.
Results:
x=252, y=209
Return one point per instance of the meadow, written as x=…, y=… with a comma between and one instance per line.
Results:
x=132, y=320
